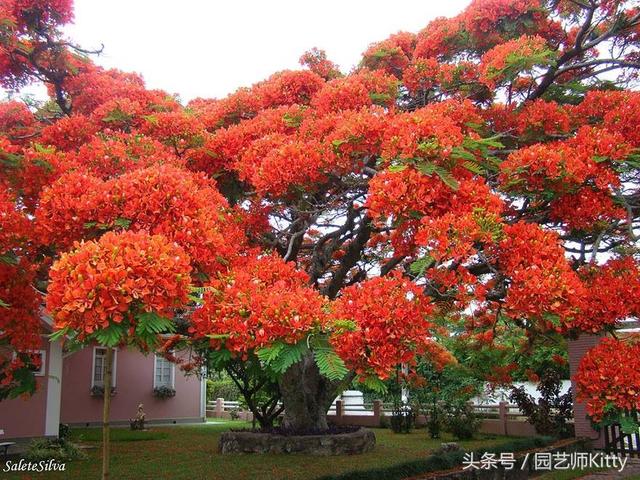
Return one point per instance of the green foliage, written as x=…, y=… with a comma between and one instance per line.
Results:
x=436, y=462
x=515, y=63
x=149, y=325
x=418, y=267
x=111, y=335
x=290, y=355
x=222, y=387
x=61, y=450
x=540, y=355
x=117, y=115
x=270, y=353
x=23, y=381
x=614, y=416
x=628, y=424
x=10, y=258
x=461, y=420
x=374, y=384
x=218, y=359
x=329, y=363
x=279, y=356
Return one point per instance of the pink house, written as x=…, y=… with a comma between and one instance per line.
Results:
x=68, y=384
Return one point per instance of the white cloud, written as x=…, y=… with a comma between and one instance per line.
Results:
x=210, y=48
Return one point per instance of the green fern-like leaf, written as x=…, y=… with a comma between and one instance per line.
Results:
x=290, y=355
x=270, y=353
x=329, y=363
x=152, y=323
x=375, y=384
x=110, y=336
x=446, y=176
x=473, y=167
x=219, y=358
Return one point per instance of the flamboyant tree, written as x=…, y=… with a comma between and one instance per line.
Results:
x=119, y=290
x=480, y=177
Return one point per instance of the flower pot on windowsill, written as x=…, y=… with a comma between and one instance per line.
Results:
x=98, y=391
x=164, y=392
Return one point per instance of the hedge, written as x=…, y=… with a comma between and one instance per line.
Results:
x=436, y=462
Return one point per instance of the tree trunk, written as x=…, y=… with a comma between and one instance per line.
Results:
x=307, y=396
x=105, y=414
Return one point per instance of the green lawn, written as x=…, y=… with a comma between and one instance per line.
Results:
x=190, y=452
x=567, y=474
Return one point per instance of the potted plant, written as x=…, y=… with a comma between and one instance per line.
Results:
x=164, y=392
x=98, y=391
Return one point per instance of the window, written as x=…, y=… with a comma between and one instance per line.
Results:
x=99, y=366
x=164, y=372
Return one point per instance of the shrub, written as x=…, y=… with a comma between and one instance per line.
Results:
x=551, y=413
x=59, y=449
x=436, y=462
x=223, y=388
x=461, y=420
x=434, y=421
x=402, y=418
x=64, y=431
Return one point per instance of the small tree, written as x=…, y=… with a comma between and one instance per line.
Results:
x=119, y=290
x=257, y=386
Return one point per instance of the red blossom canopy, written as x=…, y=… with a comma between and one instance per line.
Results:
x=481, y=174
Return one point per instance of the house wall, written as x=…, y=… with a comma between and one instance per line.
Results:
x=577, y=349
x=27, y=417
x=134, y=385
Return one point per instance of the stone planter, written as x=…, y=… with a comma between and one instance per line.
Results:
x=360, y=441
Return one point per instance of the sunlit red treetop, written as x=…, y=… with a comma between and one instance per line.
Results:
x=481, y=173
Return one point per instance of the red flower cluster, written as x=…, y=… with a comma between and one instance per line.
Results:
x=356, y=91
x=14, y=226
x=557, y=167
x=508, y=59
x=543, y=287
x=166, y=200
x=608, y=378
x=586, y=209
x=115, y=277
x=391, y=55
x=540, y=117
x=614, y=294
x=391, y=315
x=51, y=12
x=316, y=60
x=424, y=133
x=260, y=301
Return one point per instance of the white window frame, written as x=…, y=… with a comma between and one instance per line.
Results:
x=157, y=357
x=93, y=366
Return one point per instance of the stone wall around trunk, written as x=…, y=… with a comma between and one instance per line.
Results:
x=360, y=441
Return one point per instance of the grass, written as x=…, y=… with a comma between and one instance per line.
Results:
x=190, y=452
x=86, y=435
